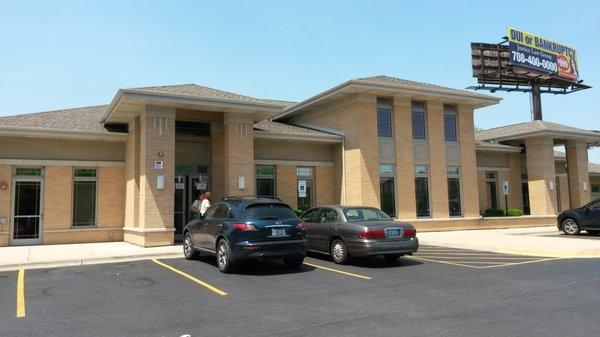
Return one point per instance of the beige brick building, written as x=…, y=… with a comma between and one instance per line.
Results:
x=131, y=169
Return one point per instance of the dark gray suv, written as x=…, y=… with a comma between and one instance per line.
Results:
x=246, y=228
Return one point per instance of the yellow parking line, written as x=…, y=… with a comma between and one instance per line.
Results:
x=21, y=294
x=412, y=257
x=191, y=278
x=338, y=271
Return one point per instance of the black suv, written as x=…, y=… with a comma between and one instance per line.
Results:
x=246, y=228
x=586, y=218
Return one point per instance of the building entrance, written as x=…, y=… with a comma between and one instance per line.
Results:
x=187, y=189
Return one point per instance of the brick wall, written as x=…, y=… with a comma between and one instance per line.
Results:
x=325, y=185
x=111, y=197
x=58, y=197
x=469, y=176
x=437, y=165
x=5, y=203
x=406, y=205
x=286, y=184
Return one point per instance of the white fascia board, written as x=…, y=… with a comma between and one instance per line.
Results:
x=292, y=110
x=297, y=136
x=507, y=149
x=161, y=97
x=61, y=134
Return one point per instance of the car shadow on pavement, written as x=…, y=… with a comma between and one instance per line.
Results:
x=260, y=268
x=582, y=235
x=370, y=262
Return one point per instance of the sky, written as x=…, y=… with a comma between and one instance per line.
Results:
x=63, y=54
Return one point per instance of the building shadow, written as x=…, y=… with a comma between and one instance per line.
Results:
x=260, y=268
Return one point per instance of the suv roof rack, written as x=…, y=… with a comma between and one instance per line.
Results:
x=250, y=197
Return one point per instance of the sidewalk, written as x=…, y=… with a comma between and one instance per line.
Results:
x=29, y=257
x=534, y=241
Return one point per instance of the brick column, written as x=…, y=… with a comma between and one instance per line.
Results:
x=238, y=143
x=579, y=176
x=406, y=206
x=217, y=163
x=437, y=160
x=132, y=174
x=541, y=174
x=156, y=206
x=5, y=203
x=515, y=194
x=468, y=162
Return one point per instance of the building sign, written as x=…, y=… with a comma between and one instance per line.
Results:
x=542, y=55
x=505, y=187
x=301, y=188
x=158, y=165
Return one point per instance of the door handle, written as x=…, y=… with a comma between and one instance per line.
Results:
x=331, y=228
x=220, y=225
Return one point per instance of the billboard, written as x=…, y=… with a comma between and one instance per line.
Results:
x=542, y=55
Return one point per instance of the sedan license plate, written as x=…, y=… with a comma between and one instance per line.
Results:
x=393, y=232
x=278, y=232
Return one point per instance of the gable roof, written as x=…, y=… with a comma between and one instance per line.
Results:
x=198, y=91
x=271, y=129
x=535, y=128
x=85, y=119
x=390, y=84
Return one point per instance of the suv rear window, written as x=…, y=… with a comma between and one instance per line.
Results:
x=269, y=211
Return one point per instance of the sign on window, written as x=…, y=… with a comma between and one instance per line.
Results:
x=302, y=188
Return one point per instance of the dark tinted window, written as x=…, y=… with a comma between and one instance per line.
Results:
x=210, y=213
x=269, y=211
x=364, y=214
x=384, y=117
x=450, y=127
x=595, y=205
x=310, y=215
x=223, y=212
x=328, y=216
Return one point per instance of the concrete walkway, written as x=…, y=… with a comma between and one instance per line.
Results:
x=535, y=241
x=29, y=257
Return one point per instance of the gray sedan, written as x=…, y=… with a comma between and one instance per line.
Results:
x=355, y=231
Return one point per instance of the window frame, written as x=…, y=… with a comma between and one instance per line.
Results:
x=272, y=177
x=75, y=179
x=419, y=175
x=387, y=104
x=451, y=174
x=418, y=110
x=451, y=113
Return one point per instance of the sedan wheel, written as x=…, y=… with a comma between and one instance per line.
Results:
x=224, y=260
x=339, y=253
x=570, y=227
x=188, y=250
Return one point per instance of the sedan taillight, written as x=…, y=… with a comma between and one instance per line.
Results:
x=410, y=232
x=242, y=227
x=372, y=234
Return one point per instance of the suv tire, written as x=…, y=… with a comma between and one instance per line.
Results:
x=188, y=248
x=224, y=258
x=570, y=227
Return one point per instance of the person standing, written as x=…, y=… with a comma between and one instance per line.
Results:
x=205, y=204
x=195, y=208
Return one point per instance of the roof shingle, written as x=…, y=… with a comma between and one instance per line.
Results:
x=516, y=130
x=277, y=127
x=86, y=119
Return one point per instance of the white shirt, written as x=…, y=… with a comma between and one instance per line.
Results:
x=204, y=206
x=195, y=206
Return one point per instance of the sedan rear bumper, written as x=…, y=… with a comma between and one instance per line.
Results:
x=358, y=247
x=269, y=250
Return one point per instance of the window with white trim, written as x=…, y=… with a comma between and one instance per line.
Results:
x=84, y=196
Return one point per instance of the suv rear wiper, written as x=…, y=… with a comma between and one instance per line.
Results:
x=267, y=218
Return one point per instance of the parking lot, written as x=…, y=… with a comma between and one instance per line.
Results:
x=439, y=291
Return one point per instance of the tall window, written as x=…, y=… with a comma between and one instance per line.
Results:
x=450, y=123
x=491, y=187
x=265, y=181
x=422, y=190
x=84, y=197
x=305, y=187
x=384, y=117
x=387, y=189
x=419, y=129
x=454, y=191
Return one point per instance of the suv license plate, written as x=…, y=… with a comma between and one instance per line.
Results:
x=393, y=232
x=278, y=232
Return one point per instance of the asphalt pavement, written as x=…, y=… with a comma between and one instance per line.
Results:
x=422, y=295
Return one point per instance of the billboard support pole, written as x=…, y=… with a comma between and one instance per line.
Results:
x=536, y=99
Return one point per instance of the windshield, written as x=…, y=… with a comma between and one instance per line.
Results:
x=365, y=214
x=269, y=212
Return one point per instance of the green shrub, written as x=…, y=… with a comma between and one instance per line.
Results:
x=514, y=212
x=494, y=212
x=298, y=212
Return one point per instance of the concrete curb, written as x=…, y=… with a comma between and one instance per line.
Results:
x=89, y=261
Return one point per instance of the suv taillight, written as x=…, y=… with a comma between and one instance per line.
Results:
x=242, y=227
x=410, y=232
x=372, y=234
x=301, y=226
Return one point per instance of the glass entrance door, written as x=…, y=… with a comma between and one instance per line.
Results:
x=27, y=212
